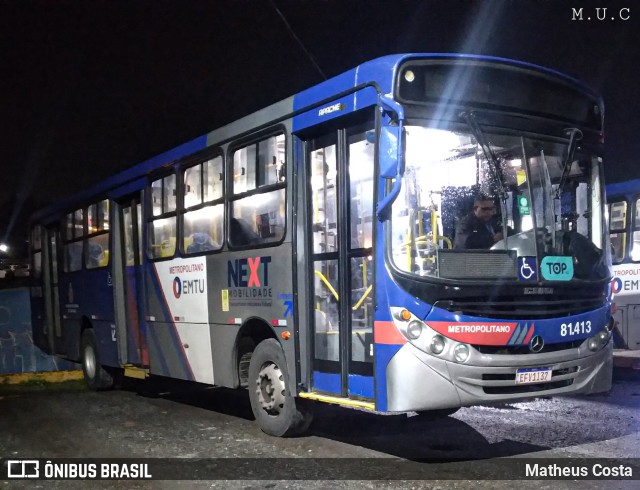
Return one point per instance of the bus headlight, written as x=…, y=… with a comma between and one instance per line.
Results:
x=599, y=340
x=461, y=352
x=414, y=329
x=437, y=344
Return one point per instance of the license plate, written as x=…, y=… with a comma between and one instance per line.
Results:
x=536, y=375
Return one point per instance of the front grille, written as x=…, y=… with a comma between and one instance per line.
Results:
x=518, y=389
x=525, y=307
x=524, y=349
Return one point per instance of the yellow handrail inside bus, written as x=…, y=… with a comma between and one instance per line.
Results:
x=335, y=294
x=361, y=300
x=328, y=284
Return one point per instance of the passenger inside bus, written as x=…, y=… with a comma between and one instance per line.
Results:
x=477, y=229
x=96, y=256
x=201, y=242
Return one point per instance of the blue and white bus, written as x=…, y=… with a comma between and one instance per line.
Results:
x=308, y=252
x=623, y=201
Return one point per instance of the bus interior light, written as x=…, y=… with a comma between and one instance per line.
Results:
x=414, y=329
x=438, y=343
x=461, y=352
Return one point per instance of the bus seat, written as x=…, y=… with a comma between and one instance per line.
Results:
x=104, y=259
x=168, y=247
x=323, y=324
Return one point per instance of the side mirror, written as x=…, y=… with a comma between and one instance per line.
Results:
x=389, y=154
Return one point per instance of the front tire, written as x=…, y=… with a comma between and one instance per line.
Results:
x=96, y=377
x=277, y=412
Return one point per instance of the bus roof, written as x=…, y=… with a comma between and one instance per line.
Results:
x=380, y=71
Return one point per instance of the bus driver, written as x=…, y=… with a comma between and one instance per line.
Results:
x=476, y=231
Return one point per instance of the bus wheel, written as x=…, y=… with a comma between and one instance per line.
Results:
x=276, y=411
x=96, y=377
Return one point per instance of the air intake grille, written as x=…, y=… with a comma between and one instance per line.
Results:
x=522, y=307
x=462, y=264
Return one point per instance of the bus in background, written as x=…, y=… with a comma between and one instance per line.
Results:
x=623, y=204
x=308, y=251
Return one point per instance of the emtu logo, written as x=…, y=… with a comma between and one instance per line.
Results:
x=616, y=285
x=192, y=286
x=249, y=272
x=177, y=287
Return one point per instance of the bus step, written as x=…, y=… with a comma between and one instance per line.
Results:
x=347, y=402
x=135, y=372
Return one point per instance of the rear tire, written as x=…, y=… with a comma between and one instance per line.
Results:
x=277, y=412
x=96, y=376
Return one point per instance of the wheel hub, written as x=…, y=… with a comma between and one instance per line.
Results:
x=271, y=389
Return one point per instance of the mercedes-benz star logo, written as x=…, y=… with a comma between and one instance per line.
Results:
x=536, y=344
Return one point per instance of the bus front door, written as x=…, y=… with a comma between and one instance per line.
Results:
x=341, y=206
x=128, y=283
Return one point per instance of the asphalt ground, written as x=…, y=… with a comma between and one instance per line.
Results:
x=169, y=419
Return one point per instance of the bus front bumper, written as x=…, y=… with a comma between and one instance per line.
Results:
x=418, y=381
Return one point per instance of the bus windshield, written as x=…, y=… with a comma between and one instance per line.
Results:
x=474, y=203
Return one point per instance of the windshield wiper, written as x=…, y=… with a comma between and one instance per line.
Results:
x=575, y=135
x=470, y=119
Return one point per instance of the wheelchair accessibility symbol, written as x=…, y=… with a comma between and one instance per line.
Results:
x=527, y=269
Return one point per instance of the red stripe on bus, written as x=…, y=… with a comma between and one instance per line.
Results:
x=529, y=334
x=387, y=333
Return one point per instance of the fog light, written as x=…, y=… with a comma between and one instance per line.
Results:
x=414, y=329
x=593, y=344
x=461, y=352
x=437, y=344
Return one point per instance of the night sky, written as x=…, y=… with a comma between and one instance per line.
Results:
x=88, y=88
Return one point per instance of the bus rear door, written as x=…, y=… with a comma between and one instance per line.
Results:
x=50, y=270
x=128, y=283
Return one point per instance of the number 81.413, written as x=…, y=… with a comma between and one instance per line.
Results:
x=575, y=328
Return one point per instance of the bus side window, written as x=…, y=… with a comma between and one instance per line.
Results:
x=635, y=245
x=202, y=199
x=162, y=228
x=257, y=211
x=617, y=230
